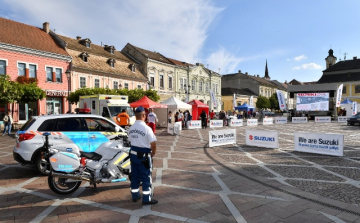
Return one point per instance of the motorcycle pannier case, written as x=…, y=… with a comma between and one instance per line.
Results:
x=65, y=162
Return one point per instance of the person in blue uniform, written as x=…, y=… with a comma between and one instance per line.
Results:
x=143, y=148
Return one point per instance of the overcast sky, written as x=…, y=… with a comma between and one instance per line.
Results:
x=227, y=35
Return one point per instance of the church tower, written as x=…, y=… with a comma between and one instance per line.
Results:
x=331, y=59
x=267, y=77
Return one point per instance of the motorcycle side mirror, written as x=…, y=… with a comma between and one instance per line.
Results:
x=117, y=129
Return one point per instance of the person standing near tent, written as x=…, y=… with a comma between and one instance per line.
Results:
x=169, y=117
x=152, y=119
x=203, y=119
x=143, y=149
x=212, y=115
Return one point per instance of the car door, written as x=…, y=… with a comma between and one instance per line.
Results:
x=100, y=131
x=73, y=130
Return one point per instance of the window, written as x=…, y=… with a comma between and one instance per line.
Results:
x=32, y=71
x=170, y=82
x=181, y=83
x=207, y=87
x=93, y=105
x=162, y=81
x=112, y=50
x=261, y=92
x=97, y=124
x=111, y=63
x=193, y=84
x=201, y=86
x=82, y=82
x=49, y=74
x=97, y=83
x=58, y=73
x=21, y=69
x=344, y=90
x=47, y=126
x=116, y=85
x=126, y=85
x=133, y=68
x=139, y=86
x=2, y=67
x=87, y=44
x=357, y=89
x=152, y=81
x=70, y=125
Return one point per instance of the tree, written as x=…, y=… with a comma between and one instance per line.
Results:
x=274, y=103
x=262, y=102
x=133, y=95
x=31, y=92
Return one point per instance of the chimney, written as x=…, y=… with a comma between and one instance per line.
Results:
x=239, y=71
x=106, y=46
x=78, y=37
x=46, y=27
x=257, y=75
x=246, y=73
x=355, y=58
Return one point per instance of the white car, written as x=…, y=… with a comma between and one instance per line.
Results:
x=87, y=132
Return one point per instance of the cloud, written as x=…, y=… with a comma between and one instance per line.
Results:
x=298, y=58
x=223, y=59
x=177, y=29
x=308, y=66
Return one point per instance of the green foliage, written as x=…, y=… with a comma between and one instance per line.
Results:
x=133, y=95
x=274, y=103
x=32, y=93
x=262, y=102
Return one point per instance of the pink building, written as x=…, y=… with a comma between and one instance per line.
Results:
x=33, y=52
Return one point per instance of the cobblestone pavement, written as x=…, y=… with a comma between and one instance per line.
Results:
x=196, y=184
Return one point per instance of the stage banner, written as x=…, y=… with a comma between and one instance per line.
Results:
x=251, y=122
x=280, y=120
x=342, y=119
x=268, y=121
x=322, y=118
x=299, y=120
x=319, y=143
x=170, y=129
x=354, y=108
x=268, y=139
x=213, y=98
x=236, y=122
x=177, y=128
x=222, y=137
x=281, y=99
x=338, y=95
x=194, y=124
x=216, y=123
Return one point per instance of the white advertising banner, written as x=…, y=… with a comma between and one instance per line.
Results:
x=251, y=122
x=281, y=99
x=299, y=120
x=213, y=98
x=251, y=101
x=319, y=143
x=236, y=122
x=268, y=121
x=216, y=123
x=268, y=139
x=222, y=137
x=170, y=129
x=354, y=108
x=342, y=119
x=322, y=118
x=194, y=124
x=338, y=95
x=280, y=120
x=177, y=128
x=234, y=101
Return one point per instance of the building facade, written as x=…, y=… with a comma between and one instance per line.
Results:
x=159, y=70
x=34, y=53
x=241, y=96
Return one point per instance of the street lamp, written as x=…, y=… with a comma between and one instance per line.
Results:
x=68, y=76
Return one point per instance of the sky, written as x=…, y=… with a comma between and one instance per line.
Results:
x=294, y=37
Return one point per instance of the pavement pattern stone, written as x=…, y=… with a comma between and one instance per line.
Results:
x=193, y=183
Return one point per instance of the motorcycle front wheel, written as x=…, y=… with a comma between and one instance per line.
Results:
x=60, y=185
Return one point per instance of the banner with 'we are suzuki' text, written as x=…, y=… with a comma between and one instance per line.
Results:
x=320, y=143
x=222, y=137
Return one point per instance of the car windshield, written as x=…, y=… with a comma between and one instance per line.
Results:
x=115, y=110
x=356, y=116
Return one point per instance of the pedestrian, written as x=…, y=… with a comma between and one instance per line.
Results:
x=203, y=119
x=180, y=116
x=241, y=114
x=143, y=149
x=212, y=115
x=123, y=119
x=186, y=116
x=169, y=117
x=176, y=116
x=152, y=119
x=249, y=114
x=8, y=121
x=344, y=112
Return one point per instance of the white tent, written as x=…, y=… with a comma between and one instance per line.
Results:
x=174, y=105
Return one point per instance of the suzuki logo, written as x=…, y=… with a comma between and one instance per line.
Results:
x=251, y=137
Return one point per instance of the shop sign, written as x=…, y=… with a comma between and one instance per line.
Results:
x=56, y=93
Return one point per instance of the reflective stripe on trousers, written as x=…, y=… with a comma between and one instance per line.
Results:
x=139, y=173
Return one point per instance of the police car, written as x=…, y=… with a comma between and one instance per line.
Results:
x=85, y=131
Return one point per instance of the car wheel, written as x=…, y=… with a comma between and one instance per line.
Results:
x=42, y=165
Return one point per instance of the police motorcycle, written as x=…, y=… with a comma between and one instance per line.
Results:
x=110, y=163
